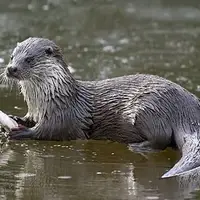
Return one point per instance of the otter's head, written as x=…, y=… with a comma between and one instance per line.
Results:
x=34, y=58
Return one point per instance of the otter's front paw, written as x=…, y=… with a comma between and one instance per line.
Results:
x=19, y=120
x=23, y=121
x=20, y=133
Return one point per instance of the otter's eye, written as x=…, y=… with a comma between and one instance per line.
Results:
x=11, y=57
x=49, y=50
x=28, y=59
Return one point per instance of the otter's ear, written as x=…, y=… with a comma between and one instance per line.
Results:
x=48, y=50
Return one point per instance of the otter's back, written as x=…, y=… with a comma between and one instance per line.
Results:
x=140, y=103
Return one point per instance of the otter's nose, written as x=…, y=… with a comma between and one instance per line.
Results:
x=11, y=71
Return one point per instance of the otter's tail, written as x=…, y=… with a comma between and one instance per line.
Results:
x=190, y=157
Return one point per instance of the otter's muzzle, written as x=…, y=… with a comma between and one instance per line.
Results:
x=11, y=71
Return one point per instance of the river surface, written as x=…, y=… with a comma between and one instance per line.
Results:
x=100, y=39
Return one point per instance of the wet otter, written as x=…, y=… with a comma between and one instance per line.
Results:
x=146, y=110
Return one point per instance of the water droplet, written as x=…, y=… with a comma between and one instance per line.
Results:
x=167, y=64
x=85, y=49
x=109, y=49
x=131, y=10
x=70, y=47
x=183, y=66
x=101, y=41
x=30, y=7
x=23, y=175
x=124, y=41
x=17, y=108
x=45, y=7
x=124, y=60
x=65, y=177
x=132, y=58
x=152, y=197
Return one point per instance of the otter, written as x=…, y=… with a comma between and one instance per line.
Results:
x=144, y=110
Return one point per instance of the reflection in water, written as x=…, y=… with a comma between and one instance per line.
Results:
x=189, y=182
x=100, y=39
x=91, y=169
x=6, y=156
x=39, y=174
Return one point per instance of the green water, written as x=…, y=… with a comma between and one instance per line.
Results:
x=100, y=39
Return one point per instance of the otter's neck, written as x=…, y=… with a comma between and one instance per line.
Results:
x=60, y=97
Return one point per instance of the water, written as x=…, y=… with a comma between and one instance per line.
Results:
x=100, y=39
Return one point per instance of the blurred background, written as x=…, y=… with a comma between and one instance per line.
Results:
x=99, y=39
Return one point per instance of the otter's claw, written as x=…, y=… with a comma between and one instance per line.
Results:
x=23, y=121
x=20, y=133
x=19, y=120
